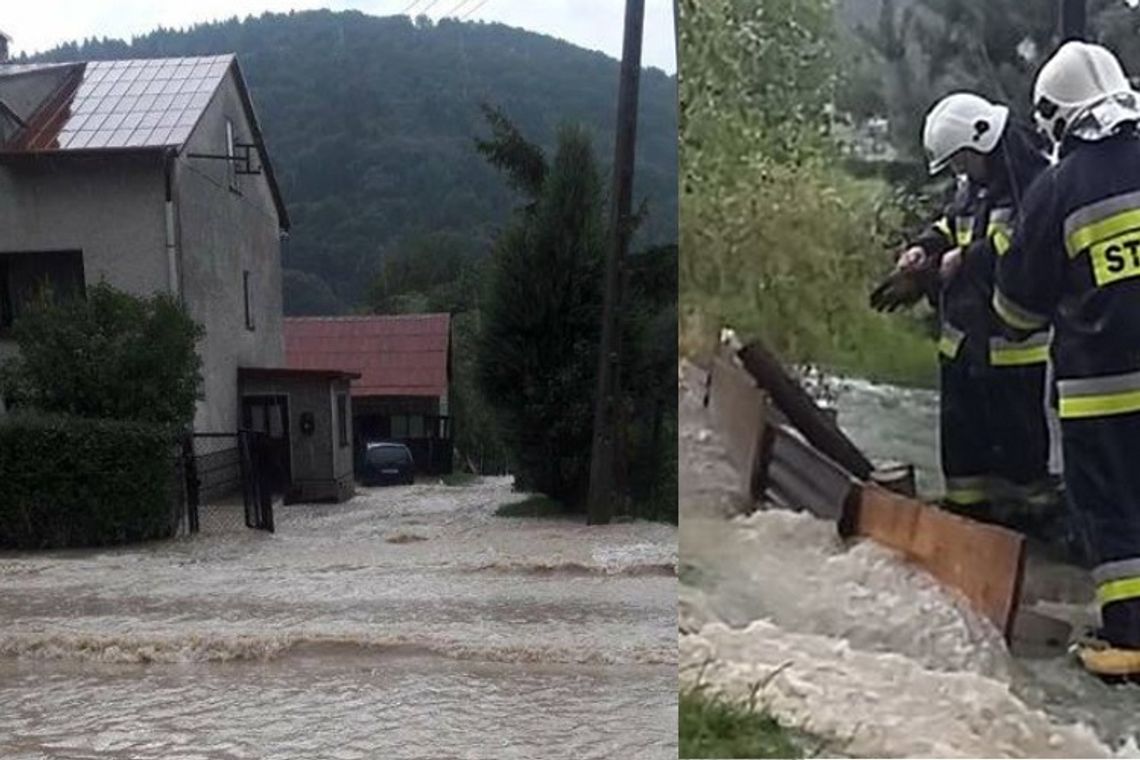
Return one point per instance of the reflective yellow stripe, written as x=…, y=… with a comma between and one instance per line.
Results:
x=1101, y=405
x=943, y=226
x=1118, y=590
x=1013, y=357
x=1117, y=224
x=966, y=496
x=950, y=341
x=1001, y=241
x=1014, y=315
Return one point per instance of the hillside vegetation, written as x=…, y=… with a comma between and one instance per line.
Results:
x=371, y=125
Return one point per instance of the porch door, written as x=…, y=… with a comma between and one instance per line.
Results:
x=270, y=415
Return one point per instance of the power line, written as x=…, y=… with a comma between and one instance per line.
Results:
x=455, y=10
x=428, y=6
x=477, y=7
x=411, y=5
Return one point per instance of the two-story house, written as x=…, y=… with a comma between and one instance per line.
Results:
x=152, y=175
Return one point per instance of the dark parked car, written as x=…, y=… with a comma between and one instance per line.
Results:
x=387, y=463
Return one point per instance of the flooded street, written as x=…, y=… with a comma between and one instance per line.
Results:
x=408, y=623
x=852, y=644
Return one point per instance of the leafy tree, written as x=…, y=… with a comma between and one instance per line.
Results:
x=761, y=74
x=929, y=48
x=110, y=355
x=539, y=339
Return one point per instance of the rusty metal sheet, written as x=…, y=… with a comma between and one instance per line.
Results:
x=985, y=563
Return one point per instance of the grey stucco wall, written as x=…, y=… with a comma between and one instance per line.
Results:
x=321, y=467
x=111, y=209
x=223, y=233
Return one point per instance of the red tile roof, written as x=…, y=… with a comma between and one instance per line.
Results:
x=402, y=355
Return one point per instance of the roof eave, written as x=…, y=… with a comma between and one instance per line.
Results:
x=259, y=140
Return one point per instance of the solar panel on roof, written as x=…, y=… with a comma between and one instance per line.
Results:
x=136, y=103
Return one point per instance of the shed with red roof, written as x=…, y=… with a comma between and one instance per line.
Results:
x=404, y=363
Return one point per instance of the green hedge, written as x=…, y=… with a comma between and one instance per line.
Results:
x=70, y=481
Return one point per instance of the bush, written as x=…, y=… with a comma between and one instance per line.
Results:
x=70, y=481
x=110, y=355
x=789, y=254
x=781, y=243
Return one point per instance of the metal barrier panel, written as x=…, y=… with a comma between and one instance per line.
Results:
x=224, y=485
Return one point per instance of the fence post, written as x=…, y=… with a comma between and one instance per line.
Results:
x=190, y=468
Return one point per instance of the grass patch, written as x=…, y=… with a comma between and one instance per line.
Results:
x=458, y=479
x=711, y=726
x=535, y=506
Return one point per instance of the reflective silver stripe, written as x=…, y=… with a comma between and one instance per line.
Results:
x=1094, y=212
x=1017, y=316
x=1097, y=386
x=1001, y=215
x=1116, y=571
x=1033, y=341
x=969, y=482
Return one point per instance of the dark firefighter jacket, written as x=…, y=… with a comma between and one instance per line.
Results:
x=1075, y=261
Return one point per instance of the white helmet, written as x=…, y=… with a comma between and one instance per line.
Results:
x=1082, y=90
x=961, y=120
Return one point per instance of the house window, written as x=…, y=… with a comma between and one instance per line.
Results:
x=248, y=305
x=399, y=426
x=342, y=417
x=416, y=426
x=24, y=275
x=231, y=151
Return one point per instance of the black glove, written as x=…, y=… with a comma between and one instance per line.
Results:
x=901, y=288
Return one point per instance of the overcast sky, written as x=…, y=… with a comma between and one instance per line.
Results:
x=37, y=25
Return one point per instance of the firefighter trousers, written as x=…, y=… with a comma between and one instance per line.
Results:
x=993, y=430
x=1102, y=479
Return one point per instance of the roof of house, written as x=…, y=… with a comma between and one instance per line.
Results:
x=289, y=373
x=401, y=355
x=130, y=105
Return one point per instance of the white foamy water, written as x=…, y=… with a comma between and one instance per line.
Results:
x=407, y=623
x=856, y=645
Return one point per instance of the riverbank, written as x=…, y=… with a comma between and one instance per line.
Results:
x=852, y=643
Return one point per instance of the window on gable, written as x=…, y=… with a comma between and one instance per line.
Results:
x=231, y=151
x=248, y=300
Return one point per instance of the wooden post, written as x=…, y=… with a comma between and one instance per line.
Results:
x=605, y=438
x=802, y=411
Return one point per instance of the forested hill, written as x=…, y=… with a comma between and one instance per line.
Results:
x=370, y=123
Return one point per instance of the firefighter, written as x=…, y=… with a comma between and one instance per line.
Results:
x=993, y=429
x=1075, y=262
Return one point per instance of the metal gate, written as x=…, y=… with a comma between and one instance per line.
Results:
x=230, y=481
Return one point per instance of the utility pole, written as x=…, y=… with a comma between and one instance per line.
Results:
x=1073, y=20
x=603, y=454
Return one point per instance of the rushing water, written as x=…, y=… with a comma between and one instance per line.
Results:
x=408, y=623
x=855, y=644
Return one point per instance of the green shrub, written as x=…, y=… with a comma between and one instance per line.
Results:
x=779, y=241
x=111, y=355
x=71, y=481
x=789, y=254
x=712, y=726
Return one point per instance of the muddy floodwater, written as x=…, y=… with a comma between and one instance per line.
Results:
x=853, y=644
x=408, y=623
